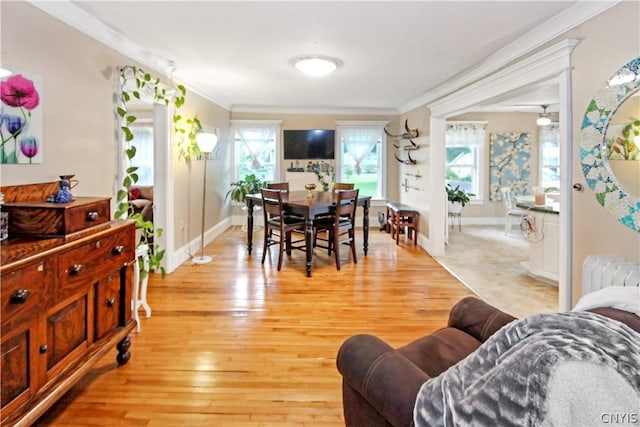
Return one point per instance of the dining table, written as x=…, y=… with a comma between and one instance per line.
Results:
x=308, y=204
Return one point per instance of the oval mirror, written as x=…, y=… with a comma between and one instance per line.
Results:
x=609, y=148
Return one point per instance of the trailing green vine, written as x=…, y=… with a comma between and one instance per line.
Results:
x=136, y=84
x=321, y=176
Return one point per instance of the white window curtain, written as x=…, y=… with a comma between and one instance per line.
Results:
x=256, y=140
x=465, y=134
x=550, y=134
x=359, y=143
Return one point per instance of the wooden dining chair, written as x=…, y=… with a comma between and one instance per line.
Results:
x=337, y=186
x=278, y=186
x=279, y=226
x=343, y=185
x=341, y=227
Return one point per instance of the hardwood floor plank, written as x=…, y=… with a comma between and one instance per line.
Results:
x=235, y=343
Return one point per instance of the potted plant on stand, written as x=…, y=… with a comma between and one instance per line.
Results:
x=251, y=184
x=458, y=198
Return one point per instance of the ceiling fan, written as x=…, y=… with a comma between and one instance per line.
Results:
x=544, y=118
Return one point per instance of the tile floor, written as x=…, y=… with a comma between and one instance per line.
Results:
x=489, y=263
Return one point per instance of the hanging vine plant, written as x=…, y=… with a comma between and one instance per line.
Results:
x=137, y=84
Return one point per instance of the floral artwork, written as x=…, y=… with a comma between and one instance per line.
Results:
x=510, y=163
x=621, y=141
x=20, y=120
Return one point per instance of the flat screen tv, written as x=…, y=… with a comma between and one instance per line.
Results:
x=309, y=144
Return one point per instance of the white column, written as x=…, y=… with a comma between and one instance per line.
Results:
x=437, y=214
x=566, y=192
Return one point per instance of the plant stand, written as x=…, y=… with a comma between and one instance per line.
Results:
x=455, y=217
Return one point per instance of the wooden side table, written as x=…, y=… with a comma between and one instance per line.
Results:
x=140, y=284
x=401, y=216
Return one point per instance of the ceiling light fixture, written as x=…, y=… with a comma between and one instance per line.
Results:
x=544, y=119
x=316, y=65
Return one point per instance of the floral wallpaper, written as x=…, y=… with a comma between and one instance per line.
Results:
x=20, y=119
x=510, y=163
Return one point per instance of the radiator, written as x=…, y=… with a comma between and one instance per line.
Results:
x=600, y=271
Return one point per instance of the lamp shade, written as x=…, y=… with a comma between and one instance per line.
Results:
x=207, y=142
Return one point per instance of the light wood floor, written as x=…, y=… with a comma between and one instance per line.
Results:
x=235, y=343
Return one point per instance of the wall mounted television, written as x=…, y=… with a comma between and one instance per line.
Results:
x=309, y=144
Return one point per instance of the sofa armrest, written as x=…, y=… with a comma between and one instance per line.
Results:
x=477, y=318
x=384, y=378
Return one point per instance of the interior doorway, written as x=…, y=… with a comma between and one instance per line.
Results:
x=154, y=157
x=551, y=64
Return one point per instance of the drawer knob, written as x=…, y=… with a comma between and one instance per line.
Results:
x=111, y=302
x=76, y=269
x=92, y=216
x=20, y=296
x=44, y=348
x=118, y=250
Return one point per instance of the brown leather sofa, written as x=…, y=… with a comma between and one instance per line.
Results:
x=380, y=384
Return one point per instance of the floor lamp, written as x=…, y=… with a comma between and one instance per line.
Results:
x=206, y=142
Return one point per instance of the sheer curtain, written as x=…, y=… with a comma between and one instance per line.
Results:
x=256, y=140
x=550, y=134
x=143, y=141
x=359, y=143
x=465, y=133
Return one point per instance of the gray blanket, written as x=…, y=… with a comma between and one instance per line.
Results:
x=507, y=381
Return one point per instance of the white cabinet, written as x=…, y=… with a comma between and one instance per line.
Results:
x=544, y=245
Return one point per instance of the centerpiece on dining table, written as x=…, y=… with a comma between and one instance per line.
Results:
x=310, y=188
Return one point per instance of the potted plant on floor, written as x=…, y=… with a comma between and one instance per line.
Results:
x=249, y=185
x=457, y=198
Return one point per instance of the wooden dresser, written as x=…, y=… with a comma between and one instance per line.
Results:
x=65, y=301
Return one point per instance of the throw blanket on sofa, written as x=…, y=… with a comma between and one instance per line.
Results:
x=509, y=380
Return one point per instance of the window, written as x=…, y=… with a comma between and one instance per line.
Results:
x=464, y=145
x=256, y=149
x=361, y=158
x=143, y=141
x=550, y=156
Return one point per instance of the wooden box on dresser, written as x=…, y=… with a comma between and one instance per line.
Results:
x=65, y=302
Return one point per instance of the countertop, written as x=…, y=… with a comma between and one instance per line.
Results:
x=553, y=208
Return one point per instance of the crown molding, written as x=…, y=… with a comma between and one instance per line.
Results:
x=543, y=33
x=544, y=65
x=72, y=15
x=338, y=111
x=78, y=19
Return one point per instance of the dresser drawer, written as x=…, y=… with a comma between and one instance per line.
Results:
x=87, y=215
x=56, y=219
x=25, y=292
x=84, y=265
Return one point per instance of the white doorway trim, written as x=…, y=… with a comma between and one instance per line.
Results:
x=163, y=205
x=550, y=64
x=163, y=213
